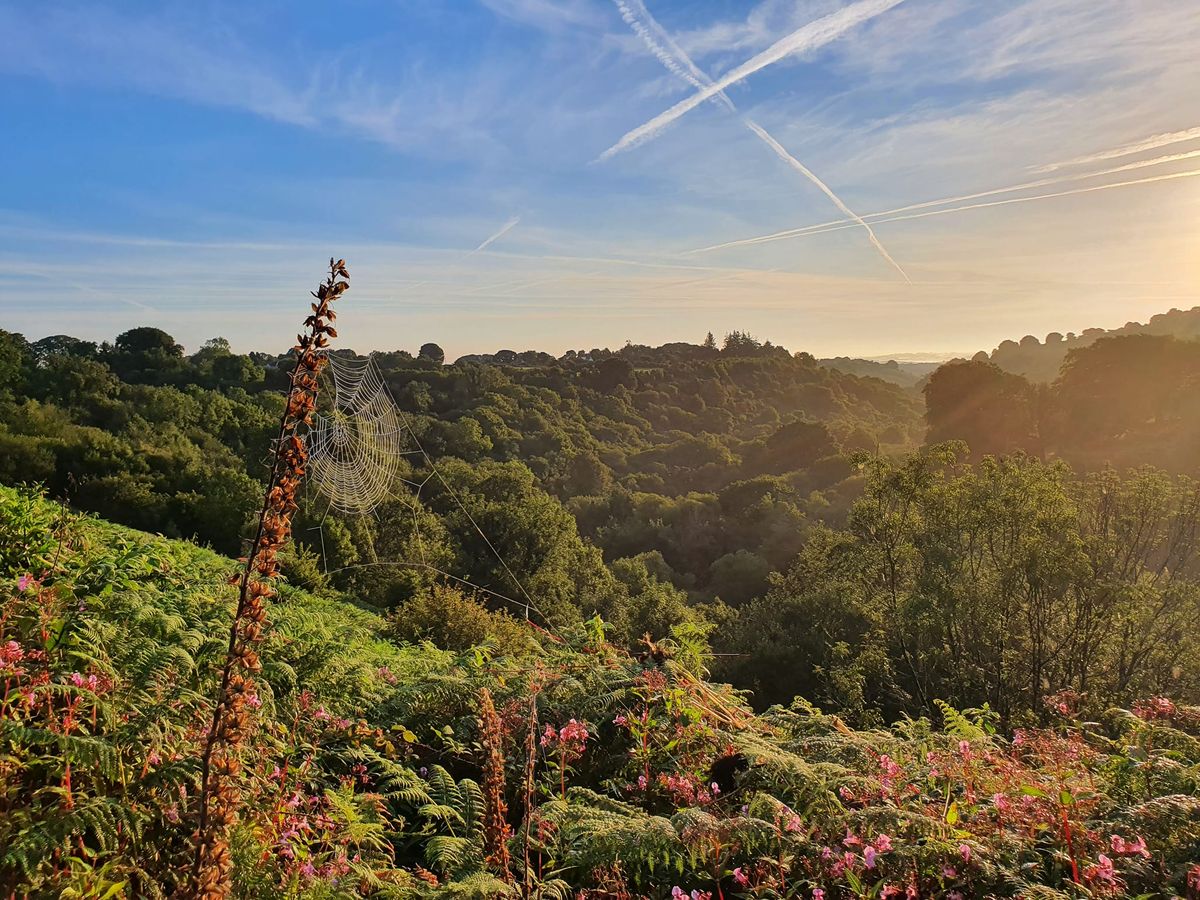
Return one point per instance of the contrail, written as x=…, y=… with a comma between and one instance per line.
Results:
x=675, y=58
x=1028, y=185
x=838, y=226
x=807, y=173
x=504, y=229
x=1151, y=143
x=814, y=34
x=672, y=62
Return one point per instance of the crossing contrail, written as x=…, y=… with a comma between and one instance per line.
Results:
x=815, y=34
x=1028, y=185
x=1151, y=143
x=807, y=173
x=838, y=226
x=677, y=61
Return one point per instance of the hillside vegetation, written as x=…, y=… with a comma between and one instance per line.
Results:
x=536, y=764
x=785, y=506
x=1040, y=361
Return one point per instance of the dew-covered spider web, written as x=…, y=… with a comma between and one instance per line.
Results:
x=357, y=445
x=355, y=448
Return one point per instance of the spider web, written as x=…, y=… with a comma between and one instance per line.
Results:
x=355, y=454
x=355, y=449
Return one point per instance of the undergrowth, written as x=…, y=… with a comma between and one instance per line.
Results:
x=372, y=775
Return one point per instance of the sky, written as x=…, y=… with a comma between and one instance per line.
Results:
x=558, y=174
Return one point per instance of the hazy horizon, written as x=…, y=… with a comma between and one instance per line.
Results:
x=554, y=174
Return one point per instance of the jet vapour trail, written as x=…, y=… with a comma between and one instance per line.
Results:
x=504, y=229
x=815, y=34
x=877, y=216
x=807, y=173
x=1151, y=143
x=675, y=58
x=838, y=226
x=664, y=56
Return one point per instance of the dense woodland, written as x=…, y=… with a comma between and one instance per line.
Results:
x=847, y=552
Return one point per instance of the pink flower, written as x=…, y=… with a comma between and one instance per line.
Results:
x=964, y=749
x=11, y=654
x=739, y=877
x=818, y=894
x=24, y=582
x=153, y=758
x=964, y=850
x=76, y=679
x=1103, y=872
x=949, y=872
x=714, y=788
x=869, y=856
x=883, y=843
x=793, y=824
x=1122, y=847
x=621, y=721
x=678, y=892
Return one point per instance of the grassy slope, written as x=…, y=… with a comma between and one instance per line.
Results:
x=365, y=774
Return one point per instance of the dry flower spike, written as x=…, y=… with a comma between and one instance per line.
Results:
x=231, y=722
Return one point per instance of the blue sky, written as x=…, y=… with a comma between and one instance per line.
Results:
x=190, y=165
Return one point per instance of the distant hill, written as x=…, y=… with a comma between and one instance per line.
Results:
x=905, y=374
x=1041, y=360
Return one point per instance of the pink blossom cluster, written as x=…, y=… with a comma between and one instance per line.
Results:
x=678, y=893
x=1122, y=847
x=95, y=683
x=571, y=739
x=11, y=655
x=1102, y=876
x=687, y=790
x=1154, y=708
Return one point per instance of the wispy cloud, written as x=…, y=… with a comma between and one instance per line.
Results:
x=1151, y=143
x=809, y=37
x=547, y=15
x=677, y=61
x=205, y=62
